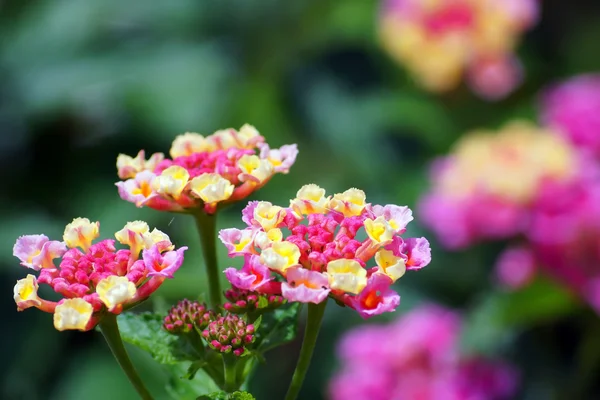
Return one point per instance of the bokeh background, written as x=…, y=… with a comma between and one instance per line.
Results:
x=84, y=80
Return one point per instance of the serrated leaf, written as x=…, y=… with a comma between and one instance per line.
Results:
x=146, y=332
x=278, y=327
x=227, y=396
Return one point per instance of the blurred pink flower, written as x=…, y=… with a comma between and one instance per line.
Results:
x=572, y=108
x=523, y=183
x=440, y=42
x=495, y=78
x=565, y=236
x=516, y=267
x=486, y=188
x=416, y=357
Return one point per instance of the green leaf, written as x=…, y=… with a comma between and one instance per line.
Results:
x=180, y=388
x=146, y=332
x=193, y=369
x=423, y=115
x=227, y=396
x=257, y=322
x=542, y=300
x=278, y=327
x=492, y=323
x=262, y=302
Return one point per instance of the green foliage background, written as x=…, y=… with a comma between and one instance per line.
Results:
x=84, y=80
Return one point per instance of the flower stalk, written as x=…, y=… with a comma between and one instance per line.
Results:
x=207, y=229
x=229, y=364
x=311, y=332
x=110, y=330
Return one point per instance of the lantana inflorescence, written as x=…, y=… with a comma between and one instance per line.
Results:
x=440, y=41
x=537, y=186
x=203, y=172
x=488, y=185
x=94, y=278
x=312, y=250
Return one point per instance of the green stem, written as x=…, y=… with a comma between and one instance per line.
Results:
x=207, y=228
x=110, y=330
x=313, y=324
x=229, y=363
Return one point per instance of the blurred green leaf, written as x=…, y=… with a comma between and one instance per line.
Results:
x=542, y=300
x=182, y=388
x=493, y=321
x=278, y=327
x=146, y=332
x=420, y=115
x=194, y=368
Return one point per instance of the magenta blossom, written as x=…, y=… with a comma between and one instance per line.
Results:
x=165, y=264
x=252, y=276
x=238, y=242
x=377, y=297
x=305, y=286
x=37, y=251
x=417, y=253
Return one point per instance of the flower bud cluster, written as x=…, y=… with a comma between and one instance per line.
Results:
x=241, y=301
x=229, y=334
x=185, y=315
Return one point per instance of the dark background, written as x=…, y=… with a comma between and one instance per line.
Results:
x=84, y=80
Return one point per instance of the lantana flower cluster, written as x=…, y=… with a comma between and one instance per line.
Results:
x=313, y=250
x=203, y=172
x=439, y=41
x=562, y=238
x=417, y=357
x=489, y=183
x=530, y=185
x=94, y=278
